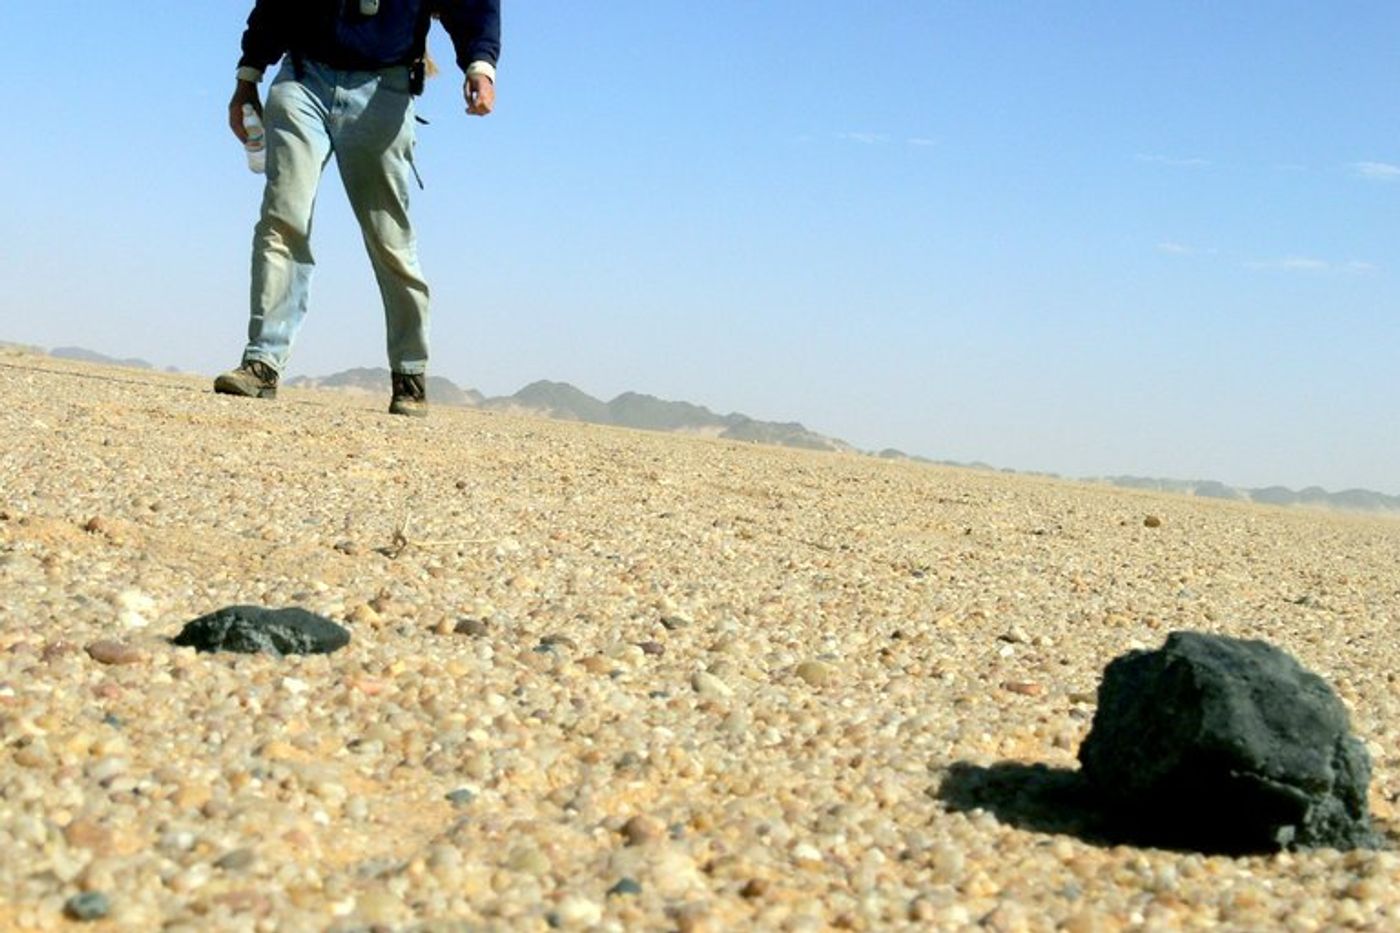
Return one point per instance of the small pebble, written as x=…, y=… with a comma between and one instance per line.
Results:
x=642, y=829
x=236, y=860
x=816, y=673
x=575, y=911
x=708, y=685
x=473, y=627
x=625, y=887
x=88, y=906
x=754, y=889
x=108, y=651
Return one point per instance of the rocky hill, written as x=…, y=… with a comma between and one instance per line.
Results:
x=375, y=380
x=92, y=356
x=649, y=413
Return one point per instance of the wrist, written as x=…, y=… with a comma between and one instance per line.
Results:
x=483, y=68
x=249, y=75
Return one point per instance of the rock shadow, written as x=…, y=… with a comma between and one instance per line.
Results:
x=1042, y=799
x=1033, y=797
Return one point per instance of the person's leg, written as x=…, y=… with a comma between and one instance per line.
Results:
x=374, y=152
x=298, y=147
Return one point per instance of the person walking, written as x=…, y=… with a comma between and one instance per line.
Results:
x=350, y=70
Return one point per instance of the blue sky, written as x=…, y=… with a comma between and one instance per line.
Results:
x=1088, y=238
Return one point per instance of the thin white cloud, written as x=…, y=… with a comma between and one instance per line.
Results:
x=922, y=141
x=1378, y=171
x=1309, y=264
x=868, y=139
x=1184, y=249
x=1171, y=161
x=1291, y=264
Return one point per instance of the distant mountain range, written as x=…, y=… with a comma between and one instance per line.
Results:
x=376, y=381
x=91, y=356
x=1360, y=500
x=647, y=412
x=569, y=403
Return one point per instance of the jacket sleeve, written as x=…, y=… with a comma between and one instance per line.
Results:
x=265, y=39
x=475, y=28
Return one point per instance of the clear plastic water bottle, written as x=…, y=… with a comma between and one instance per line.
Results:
x=256, y=146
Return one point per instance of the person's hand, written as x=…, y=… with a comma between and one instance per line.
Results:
x=480, y=92
x=245, y=92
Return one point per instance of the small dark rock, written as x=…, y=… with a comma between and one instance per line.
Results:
x=625, y=887
x=1223, y=745
x=90, y=905
x=652, y=648
x=753, y=889
x=461, y=797
x=1152, y=521
x=251, y=629
x=672, y=623
x=236, y=860
x=473, y=627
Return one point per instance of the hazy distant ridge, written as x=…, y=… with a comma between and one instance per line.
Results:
x=649, y=413
x=376, y=380
x=570, y=403
x=1363, y=500
x=92, y=356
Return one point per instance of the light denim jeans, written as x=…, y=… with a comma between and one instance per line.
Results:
x=364, y=118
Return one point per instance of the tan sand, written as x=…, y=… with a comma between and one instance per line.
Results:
x=735, y=675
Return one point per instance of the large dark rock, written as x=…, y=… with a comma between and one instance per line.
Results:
x=250, y=629
x=1223, y=745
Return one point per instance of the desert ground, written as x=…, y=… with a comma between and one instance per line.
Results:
x=603, y=679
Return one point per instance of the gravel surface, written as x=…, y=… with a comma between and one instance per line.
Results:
x=608, y=679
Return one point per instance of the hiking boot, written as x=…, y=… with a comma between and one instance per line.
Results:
x=252, y=378
x=410, y=395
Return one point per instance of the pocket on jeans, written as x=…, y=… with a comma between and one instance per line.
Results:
x=397, y=80
x=287, y=72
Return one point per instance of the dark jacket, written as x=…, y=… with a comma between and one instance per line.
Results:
x=336, y=33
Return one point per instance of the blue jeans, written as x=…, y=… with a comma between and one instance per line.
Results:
x=366, y=119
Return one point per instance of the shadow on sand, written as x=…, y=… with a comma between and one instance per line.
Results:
x=1042, y=799
x=1036, y=797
